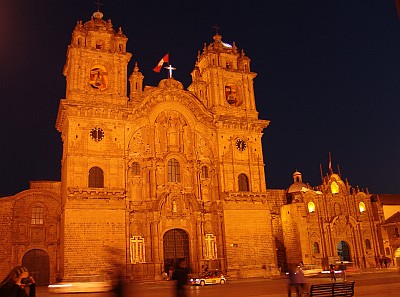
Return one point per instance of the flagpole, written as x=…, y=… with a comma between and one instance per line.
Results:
x=169, y=65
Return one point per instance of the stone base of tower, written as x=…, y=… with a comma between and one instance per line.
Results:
x=250, y=246
x=94, y=241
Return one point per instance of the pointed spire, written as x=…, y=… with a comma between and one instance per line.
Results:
x=136, y=69
x=330, y=164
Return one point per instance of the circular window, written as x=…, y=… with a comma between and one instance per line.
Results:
x=98, y=78
x=97, y=134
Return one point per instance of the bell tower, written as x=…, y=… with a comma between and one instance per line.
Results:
x=96, y=66
x=223, y=73
x=223, y=81
x=92, y=122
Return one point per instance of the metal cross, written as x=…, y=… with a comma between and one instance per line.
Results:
x=216, y=28
x=170, y=68
x=98, y=4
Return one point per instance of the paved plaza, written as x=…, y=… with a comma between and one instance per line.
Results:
x=379, y=283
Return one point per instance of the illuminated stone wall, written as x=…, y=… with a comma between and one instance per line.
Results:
x=250, y=252
x=94, y=240
x=5, y=236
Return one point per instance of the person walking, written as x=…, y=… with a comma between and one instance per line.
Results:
x=332, y=272
x=292, y=283
x=301, y=280
x=342, y=268
x=18, y=283
x=180, y=275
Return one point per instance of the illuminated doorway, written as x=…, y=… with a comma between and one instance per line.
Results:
x=343, y=250
x=38, y=264
x=176, y=248
x=397, y=257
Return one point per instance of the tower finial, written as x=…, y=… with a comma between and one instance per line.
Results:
x=99, y=4
x=216, y=29
x=97, y=14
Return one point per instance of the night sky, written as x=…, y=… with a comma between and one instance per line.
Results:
x=328, y=79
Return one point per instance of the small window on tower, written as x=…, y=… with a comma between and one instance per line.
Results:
x=135, y=168
x=243, y=182
x=204, y=171
x=96, y=178
x=99, y=44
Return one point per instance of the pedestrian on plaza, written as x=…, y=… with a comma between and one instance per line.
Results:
x=377, y=262
x=119, y=285
x=342, y=268
x=300, y=279
x=332, y=272
x=180, y=276
x=170, y=272
x=296, y=280
x=18, y=283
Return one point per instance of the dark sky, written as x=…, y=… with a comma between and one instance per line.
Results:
x=328, y=78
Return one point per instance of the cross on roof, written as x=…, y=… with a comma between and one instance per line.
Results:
x=170, y=68
x=98, y=4
x=216, y=28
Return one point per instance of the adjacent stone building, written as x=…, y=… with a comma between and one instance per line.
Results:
x=166, y=174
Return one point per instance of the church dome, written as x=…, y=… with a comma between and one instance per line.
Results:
x=298, y=184
x=296, y=187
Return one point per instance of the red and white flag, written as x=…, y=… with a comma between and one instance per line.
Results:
x=398, y=7
x=165, y=59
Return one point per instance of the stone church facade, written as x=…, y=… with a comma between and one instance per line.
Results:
x=166, y=174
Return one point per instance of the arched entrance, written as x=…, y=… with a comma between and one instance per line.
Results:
x=176, y=248
x=343, y=250
x=38, y=263
x=397, y=257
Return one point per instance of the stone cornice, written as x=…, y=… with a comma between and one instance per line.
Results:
x=95, y=193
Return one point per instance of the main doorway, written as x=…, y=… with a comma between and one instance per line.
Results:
x=38, y=264
x=176, y=248
x=343, y=250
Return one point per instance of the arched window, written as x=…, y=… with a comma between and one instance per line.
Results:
x=334, y=187
x=367, y=244
x=135, y=168
x=243, y=182
x=396, y=232
x=96, y=178
x=37, y=215
x=173, y=171
x=311, y=206
x=204, y=171
x=361, y=206
x=316, y=248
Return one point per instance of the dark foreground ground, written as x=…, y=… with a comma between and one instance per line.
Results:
x=381, y=283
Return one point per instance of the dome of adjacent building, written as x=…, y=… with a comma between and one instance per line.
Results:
x=298, y=184
x=296, y=187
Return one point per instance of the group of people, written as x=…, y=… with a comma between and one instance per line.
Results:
x=332, y=271
x=382, y=262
